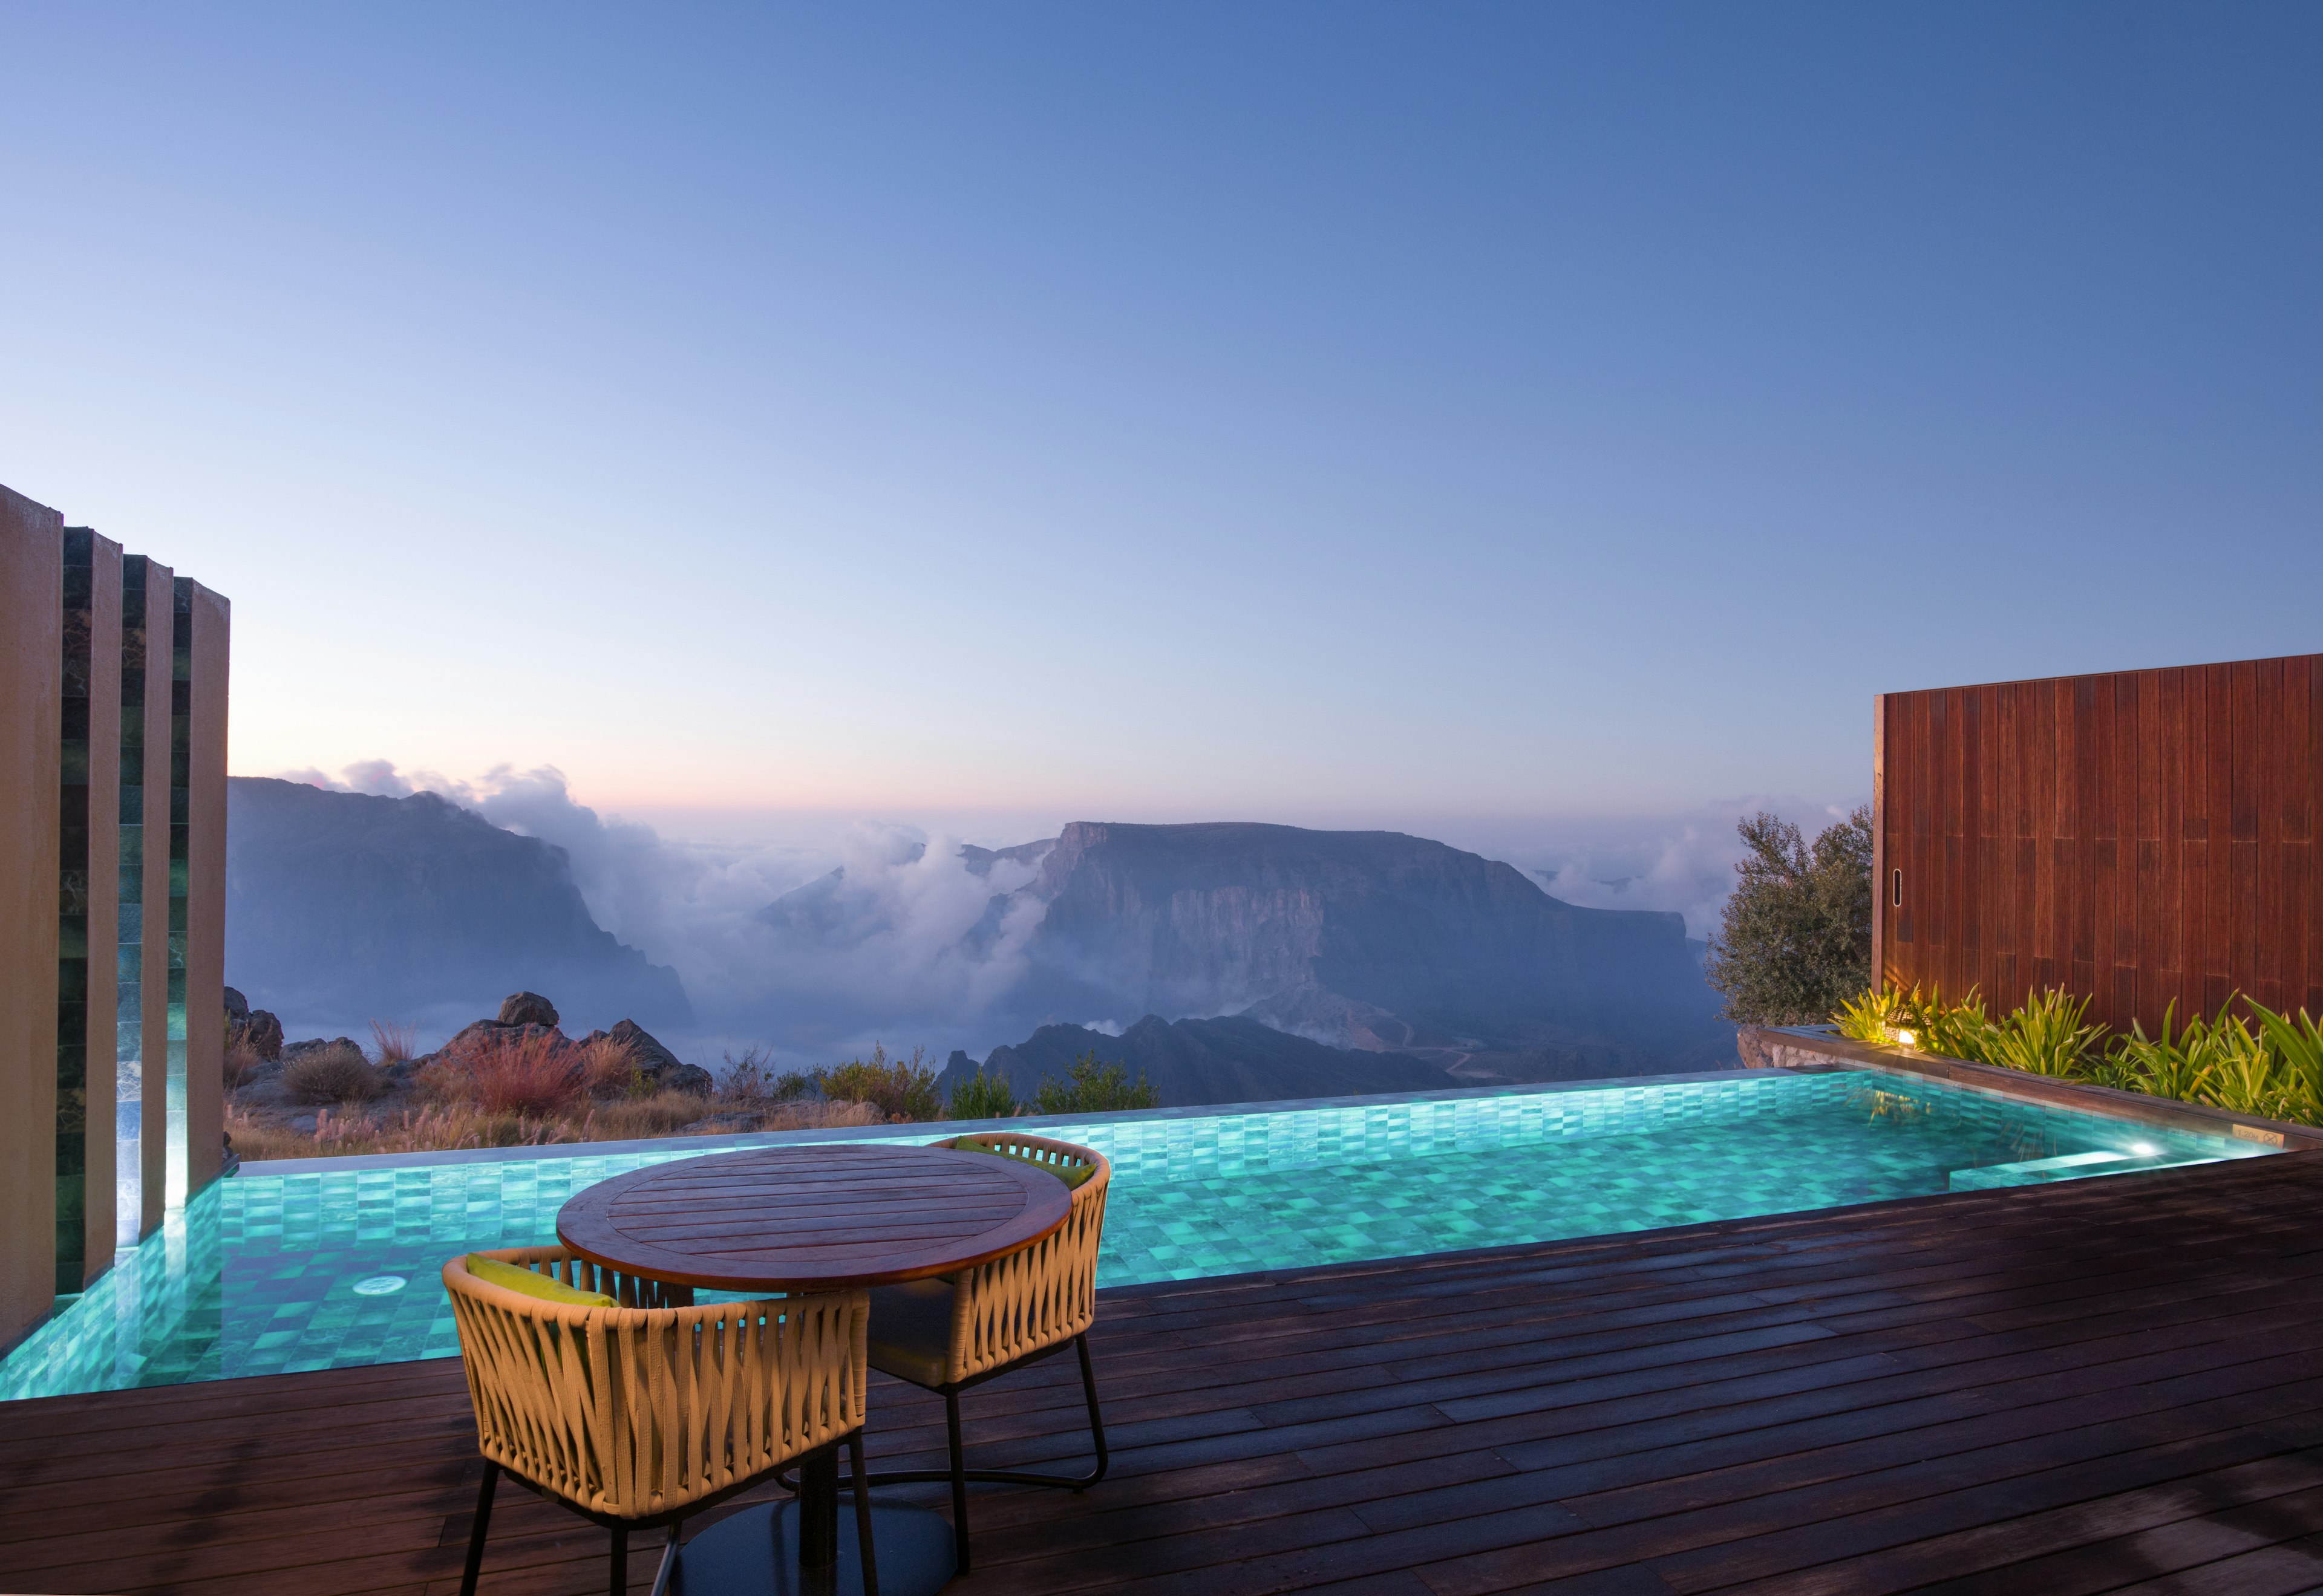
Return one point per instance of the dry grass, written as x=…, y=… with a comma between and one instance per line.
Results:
x=608, y=1068
x=330, y=1074
x=393, y=1043
x=242, y=1062
x=440, y=1126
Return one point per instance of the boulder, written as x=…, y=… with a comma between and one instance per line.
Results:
x=528, y=1008
x=262, y=1033
x=657, y=1063
x=718, y=1125
x=493, y=1033
x=237, y=1008
x=293, y=1052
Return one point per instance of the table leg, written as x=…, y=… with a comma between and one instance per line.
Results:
x=818, y=1501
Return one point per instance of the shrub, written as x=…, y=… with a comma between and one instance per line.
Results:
x=536, y=1074
x=902, y=1089
x=392, y=1043
x=983, y=1096
x=242, y=1062
x=1795, y=938
x=751, y=1078
x=338, y=1073
x=1092, y=1086
x=609, y=1068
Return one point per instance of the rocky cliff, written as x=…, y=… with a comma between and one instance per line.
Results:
x=343, y=908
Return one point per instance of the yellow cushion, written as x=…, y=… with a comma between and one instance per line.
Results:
x=515, y=1277
x=1073, y=1176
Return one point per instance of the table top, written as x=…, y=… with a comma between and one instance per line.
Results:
x=806, y=1218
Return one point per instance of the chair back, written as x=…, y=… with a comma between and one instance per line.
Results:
x=1045, y=1292
x=636, y=1411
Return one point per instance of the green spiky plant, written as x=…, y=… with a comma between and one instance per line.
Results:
x=1869, y=1016
x=2247, y=1075
x=2175, y=1064
x=2049, y=1034
x=2299, y=1044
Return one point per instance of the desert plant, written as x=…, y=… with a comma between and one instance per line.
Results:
x=2049, y=1034
x=338, y=1073
x=902, y=1089
x=393, y=1043
x=1093, y=1087
x=1795, y=938
x=535, y=1074
x=984, y=1096
x=242, y=1062
x=609, y=1068
x=751, y=1078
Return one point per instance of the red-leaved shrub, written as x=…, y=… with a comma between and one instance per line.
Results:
x=536, y=1074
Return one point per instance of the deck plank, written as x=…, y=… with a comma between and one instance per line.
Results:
x=2106, y=1385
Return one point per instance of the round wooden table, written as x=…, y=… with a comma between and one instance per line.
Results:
x=814, y=1218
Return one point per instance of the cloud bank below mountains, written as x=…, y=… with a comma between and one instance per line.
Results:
x=886, y=954
x=894, y=938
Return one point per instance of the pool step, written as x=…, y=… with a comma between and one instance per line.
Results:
x=2070, y=1166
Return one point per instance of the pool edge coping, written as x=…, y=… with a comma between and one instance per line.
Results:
x=2200, y=1119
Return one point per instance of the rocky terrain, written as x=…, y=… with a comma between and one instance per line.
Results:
x=517, y=1068
x=342, y=907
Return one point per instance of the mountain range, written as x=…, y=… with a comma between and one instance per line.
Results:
x=1368, y=942
x=342, y=907
x=1233, y=1059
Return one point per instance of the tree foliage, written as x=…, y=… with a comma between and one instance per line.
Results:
x=1795, y=941
x=1093, y=1087
x=983, y=1096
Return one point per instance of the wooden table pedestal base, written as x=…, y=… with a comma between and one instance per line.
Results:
x=756, y=1552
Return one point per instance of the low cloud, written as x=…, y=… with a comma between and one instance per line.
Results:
x=1681, y=864
x=892, y=936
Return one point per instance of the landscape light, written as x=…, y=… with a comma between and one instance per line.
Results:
x=1907, y=1038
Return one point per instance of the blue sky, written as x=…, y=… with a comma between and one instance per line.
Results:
x=1353, y=414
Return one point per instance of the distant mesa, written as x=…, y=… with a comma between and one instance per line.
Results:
x=342, y=907
x=1365, y=941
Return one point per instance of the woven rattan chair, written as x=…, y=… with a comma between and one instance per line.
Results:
x=945, y=1335
x=641, y=1414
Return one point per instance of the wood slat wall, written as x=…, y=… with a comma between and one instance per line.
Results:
x=2138, y=836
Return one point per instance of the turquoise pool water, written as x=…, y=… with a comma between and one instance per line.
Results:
x=270, y=1272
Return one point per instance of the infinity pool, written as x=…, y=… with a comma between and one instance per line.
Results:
x=269, y=1271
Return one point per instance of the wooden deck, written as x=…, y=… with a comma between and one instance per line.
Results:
x=2110, y=1385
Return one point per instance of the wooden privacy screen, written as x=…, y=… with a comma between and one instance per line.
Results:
x=2139, y=837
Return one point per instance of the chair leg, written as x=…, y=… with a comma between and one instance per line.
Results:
x=1097, y=1415
x=668, y=1561
x=1012, y=1476
x=621, y=1585
x=959, y=1484
x=476, y=1531
x=863, y=1514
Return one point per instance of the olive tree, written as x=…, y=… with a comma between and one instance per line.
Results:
x=1795, y=940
